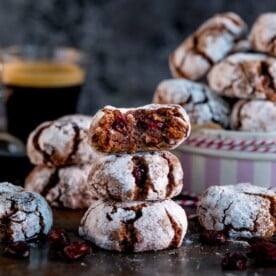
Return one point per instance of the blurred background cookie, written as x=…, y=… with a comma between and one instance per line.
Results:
x=254, y=115
x=61, y=142
x=200, y=103
x=211, y=42
x=263, y=34
x=245, y=75
x=62, y=187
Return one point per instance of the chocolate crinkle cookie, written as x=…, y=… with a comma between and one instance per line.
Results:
x=254, y=115
x=263, y=34
x=245, y=76
x=241, y=210
x=147, y=128
x=202, y=105
x=211, y=42
x=61, y=186
x=61, y=142
x=23, y=215
x=134, y=226
x=146, y=176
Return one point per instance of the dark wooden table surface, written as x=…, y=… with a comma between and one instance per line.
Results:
x=192, y=258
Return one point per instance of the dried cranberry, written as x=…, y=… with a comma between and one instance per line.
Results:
x=234, y=261
x=263, y=251
x=18, y=249
x=212, y=237
x=119, y=123
x=147, y=123
x=58, y=238
x=77, y=250
x=140, y=174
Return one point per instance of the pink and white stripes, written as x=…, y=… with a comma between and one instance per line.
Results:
x=215, y=161
x=247, y=145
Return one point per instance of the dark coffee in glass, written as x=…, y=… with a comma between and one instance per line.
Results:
x=38, y=90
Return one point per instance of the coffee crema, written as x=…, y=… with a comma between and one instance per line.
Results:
x=39, y=91
x=42, y=74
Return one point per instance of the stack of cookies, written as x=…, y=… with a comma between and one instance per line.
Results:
x=235, y=74
x=63, y=158
x=136, y=178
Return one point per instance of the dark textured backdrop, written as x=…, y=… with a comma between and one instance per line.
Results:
x=128, y=40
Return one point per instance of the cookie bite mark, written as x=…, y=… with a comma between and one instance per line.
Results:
x=46, y=156
x=157, y=128
x=151, y=127
x=176, y=240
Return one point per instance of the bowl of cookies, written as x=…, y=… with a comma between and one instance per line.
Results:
x=224, y=76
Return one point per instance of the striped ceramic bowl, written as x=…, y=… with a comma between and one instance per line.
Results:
x=220, y=157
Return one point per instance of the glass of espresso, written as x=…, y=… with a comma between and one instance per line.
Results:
x=40, y=84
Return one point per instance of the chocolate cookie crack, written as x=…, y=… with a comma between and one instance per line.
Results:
x=76, y=142
x=45, y=155
x=268, y=81
x=52, y=182
x=128, y=233
x=224, y=212
x=196, y=50
x=175, y=242
x=271, y=44
x=177, y=68
x=171, y=181
x=41, y=220
x=239, y=116
x=234, y=20
x=142, y=181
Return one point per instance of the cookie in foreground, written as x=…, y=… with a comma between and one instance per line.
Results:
x=242, y=210
x=134, y=226
x=23, y=215
x=147, y=128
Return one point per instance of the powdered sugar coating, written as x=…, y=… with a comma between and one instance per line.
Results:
x=134, y=226
x=244, y=75
x=200, y=103
x=254, y=115
x=211, y=42
x=62, y=187
x=263, y=32
x=243, y=210
x=139, y=176
x=23, y=215
x=105, y=138
x=61, y=142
